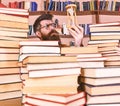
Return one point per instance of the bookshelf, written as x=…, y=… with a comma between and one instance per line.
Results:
x=95, y=14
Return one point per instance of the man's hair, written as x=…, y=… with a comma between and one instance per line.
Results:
x=44, y=16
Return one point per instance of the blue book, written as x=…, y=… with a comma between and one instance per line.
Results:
x=59, y=6
x=33, y=6
x=50, y=5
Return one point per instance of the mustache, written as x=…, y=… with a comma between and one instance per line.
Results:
x=53, y=35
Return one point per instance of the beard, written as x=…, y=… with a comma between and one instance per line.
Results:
x=53, y=35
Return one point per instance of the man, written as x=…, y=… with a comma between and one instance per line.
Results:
x=44, y=28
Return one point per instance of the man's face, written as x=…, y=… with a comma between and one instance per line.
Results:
x=47, y=30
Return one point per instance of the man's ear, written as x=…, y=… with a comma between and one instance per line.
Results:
x=38, y=34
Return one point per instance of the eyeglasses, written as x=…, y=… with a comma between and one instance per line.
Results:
x=48, y=25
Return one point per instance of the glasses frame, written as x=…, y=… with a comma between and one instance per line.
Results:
x=48, y=25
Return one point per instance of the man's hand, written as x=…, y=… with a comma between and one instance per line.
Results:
x=77, y=33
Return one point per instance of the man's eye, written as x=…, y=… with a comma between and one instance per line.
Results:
x=47, y=26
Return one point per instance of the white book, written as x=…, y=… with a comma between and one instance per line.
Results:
x=39, y=49
x=53, y=72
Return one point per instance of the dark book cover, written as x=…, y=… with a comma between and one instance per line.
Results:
x=117, y=6
x=58, y=8
x=33, y=6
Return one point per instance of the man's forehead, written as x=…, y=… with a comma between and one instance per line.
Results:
x=46, y=21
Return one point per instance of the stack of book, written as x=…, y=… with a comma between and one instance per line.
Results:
x=41, y=48
x=10, y=81
x=102, y=85
x=13, y=24
x=105, y=31
x=36, y=48
x=50, y=78
x=87, y=57
x=109, y=50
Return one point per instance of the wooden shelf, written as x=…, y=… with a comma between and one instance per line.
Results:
x=101, y=12
x=63, y=13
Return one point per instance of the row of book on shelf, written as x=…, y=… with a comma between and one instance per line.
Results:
x=30, y=5
x=90, y=5
x=53, y=5
x=44, y=73
x=83, y=5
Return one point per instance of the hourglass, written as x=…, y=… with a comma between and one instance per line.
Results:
x=71, y=14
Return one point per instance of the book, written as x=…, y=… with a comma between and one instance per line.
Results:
x=61, y=98
x=105, y=24
x=8, y=70
x=13, y=34
x=39, y=49
x=92, y=59
x=89, y=55
x=39, y=43
x=8, y=49
x=2, y=5
x=105, y=37
x=5, y=64
x=10, y=95
x=111, y=54
x=106, y=48
x=10, y=78
x=100, y=72
x=113, y=58
x=64, y=80
x=7, y=17
x=10, y=87
x=32, y=101
x=10, y=44
x=11, y=102
x=9, y=38
x=65, y=50
x=99, y=81
x=53, y=72
x=101, y=90
x=50, y=89
x=105, y=28
x=112, y=63
x=8, y=57
x=13, y=29
x=24, y=55
x=103, y=41
x=99, y=45
x=52, y=65
x=15, y=11
x=106, y=99
x=115, y=33
x=11, y=24
x=91, y=64
x=49, y=59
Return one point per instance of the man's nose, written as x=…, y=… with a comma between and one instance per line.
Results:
x=52, y=27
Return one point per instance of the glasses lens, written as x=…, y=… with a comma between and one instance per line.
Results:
x=52, y=24
x=48, y=25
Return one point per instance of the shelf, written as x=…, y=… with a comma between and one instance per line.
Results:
x=101, y=12
x=62, y=13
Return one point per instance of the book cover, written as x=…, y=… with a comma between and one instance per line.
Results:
x=54, y=72
x=100, y=72
x=11, y=102
x=61, y=98
x=49, y=59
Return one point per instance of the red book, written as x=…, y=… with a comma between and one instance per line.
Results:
x=2, y=5
x=58, y=100
x=15, y=11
